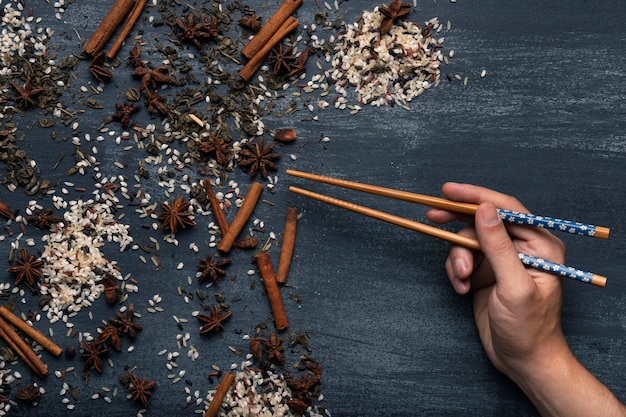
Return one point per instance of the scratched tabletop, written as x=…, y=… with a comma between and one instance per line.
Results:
x=532, y=102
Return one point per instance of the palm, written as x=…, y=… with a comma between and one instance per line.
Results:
x=500, y=317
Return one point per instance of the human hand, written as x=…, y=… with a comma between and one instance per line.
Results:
x=517, y=310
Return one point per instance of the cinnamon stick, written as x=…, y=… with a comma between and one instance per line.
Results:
x=264, y=265
x=242, y=216
x=255, y=62
x=126, y=29
x=109, y=25
x=220, y=218
x=270, y=27
x=218, y=399
x=289, y=241
x=20, y=347
x=29, y=331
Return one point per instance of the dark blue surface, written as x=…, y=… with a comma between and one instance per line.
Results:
x=547, y=124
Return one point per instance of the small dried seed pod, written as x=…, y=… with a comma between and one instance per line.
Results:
x=70, y=352
x=285, y=135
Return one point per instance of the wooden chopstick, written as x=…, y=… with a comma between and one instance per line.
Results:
x=531, y=261
x=525, y=219
x=390, y=218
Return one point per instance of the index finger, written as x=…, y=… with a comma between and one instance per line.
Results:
x=469, y=193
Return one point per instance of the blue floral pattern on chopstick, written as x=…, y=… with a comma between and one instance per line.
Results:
x=557, y=269
x=547, y=223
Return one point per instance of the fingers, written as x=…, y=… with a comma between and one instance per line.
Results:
x=474, y=194
x=459, y=269
x=461, y=263
x=468, y=193
x=499, y=244
x=497, y=247
x=439, y=216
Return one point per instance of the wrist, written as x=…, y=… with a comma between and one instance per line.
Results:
x=546, y=365
x=559, y=385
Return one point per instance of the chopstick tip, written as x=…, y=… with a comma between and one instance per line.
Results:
x=598, y=280
x=602, y=232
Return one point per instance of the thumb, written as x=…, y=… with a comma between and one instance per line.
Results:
x=498, y=248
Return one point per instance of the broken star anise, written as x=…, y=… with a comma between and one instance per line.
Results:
x=112, y=291
x=29, y=394
x=125, y=323
x=27, y=268
x=216, y=146
x=26, y=93
x=154, y=102
x=195, y=30
x=208, y=268
x=214, y=321
x=109, y=334
x=134, y=57
x=299, y=66
x=175, y=215
x=93, y=353
x=141, y=389
x=97, y=69
x=258, y=157
x=43, y=218
x=251, y=22
x=302, y=387
x=152, y=77
x=396, y=10
x=124, y=111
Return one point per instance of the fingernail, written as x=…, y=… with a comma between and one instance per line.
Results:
x=490, y=217
x=460, y=267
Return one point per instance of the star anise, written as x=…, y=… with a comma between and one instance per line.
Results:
x=109, y=335
x=195, y=30
x=140, y=389
x=274, y=349
x=302, y=387
x=93, y=353
x=299, y=66
x=209, y=268
x=27, y=268
x=124, y=111
x=281, y=59
x=152, y=77
x=217, y=147
x=252, y=22
x=97, y=69
x=125, y=323
x=176, y=215
x=396, y=10
x=214, y=321
x=43, y=218
x=26, y=93
x=154, y=102
x=258, y=157
x=134, y=57
x=30, y=393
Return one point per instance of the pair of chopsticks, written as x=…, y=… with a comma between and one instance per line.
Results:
x=459, y=207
